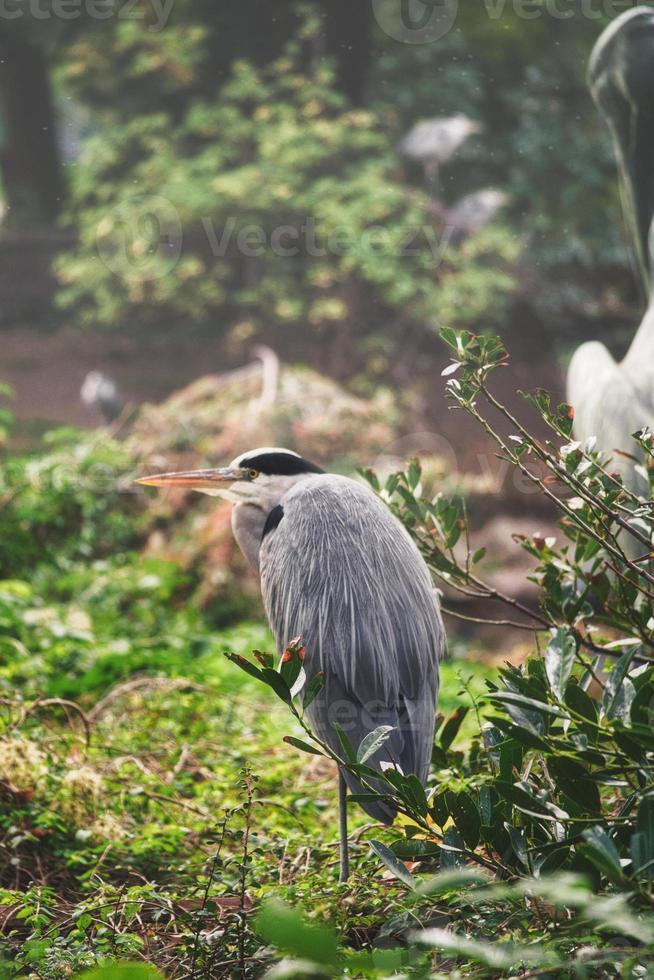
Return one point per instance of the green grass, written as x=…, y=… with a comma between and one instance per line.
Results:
x=133, y=844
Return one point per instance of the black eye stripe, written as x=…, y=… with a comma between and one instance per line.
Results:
x=279, y=464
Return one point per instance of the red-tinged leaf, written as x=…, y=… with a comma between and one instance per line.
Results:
x=245, y=665
x=626, y=455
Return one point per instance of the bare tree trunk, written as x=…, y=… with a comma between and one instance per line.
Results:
x=29, y=158
x=348, y=28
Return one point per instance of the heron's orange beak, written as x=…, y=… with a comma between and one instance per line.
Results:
x=197, y=479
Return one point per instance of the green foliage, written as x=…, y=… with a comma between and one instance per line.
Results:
x=65, y=504
x=6, y=417
x=524, y=79
x=122, y=971
x=203, y=145
x=286, y=208
x=537, y=908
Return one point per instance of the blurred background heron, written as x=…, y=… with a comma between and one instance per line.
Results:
x=433, y=142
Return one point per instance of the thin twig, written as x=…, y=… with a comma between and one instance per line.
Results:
x=547, y=458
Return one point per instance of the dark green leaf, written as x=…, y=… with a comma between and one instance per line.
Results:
x=303, y=746
x=277, y=683
x=522, y=735
x=313, y=689
x=467, y=819
x=560, y=659
x=350, y=754
x=525, y=799
x=452, y=850
x=518, y=844
x=508, y=697
x=642, y=841
x=451, y=727
x=511, y=755
x=415, y=850
x=394, y=865
x=602, y=852
x=580, y=703
x=245, y=665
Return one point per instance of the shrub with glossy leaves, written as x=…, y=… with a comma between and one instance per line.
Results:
x=560, y=777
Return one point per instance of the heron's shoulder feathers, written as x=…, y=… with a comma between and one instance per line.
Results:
x=330, y=492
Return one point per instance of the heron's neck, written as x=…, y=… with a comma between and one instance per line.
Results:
x=639, y=361
x=248, y=521
x=249, y=515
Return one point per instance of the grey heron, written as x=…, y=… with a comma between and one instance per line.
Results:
x=338, y=569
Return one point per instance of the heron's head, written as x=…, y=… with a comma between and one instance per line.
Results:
x=259, y=477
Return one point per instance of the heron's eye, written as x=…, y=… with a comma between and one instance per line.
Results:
x=253, y=474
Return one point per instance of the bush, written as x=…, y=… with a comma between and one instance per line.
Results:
x=277, y=206
x=560, y=777
x=68, y=503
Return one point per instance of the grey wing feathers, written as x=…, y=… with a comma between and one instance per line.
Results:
x=341, y=572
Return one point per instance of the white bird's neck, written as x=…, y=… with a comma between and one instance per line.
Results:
x=639, y=360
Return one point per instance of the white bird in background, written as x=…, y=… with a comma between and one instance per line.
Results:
x=470, y=213
x=435, y=141
x=101, y=392
x=476, y=210
x=613, y=400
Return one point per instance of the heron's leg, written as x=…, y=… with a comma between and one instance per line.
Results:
x=342, y=825
x=433, y=179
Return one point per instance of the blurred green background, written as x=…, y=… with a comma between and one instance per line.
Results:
x=195, y=177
